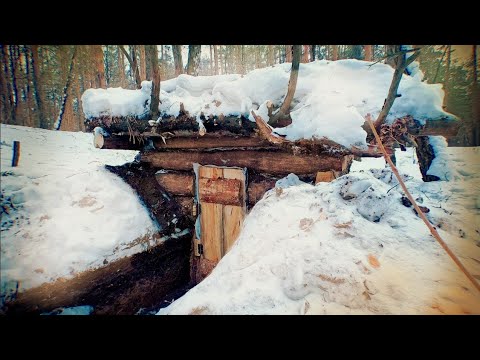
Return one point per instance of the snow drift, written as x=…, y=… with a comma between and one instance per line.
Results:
x=351, y=247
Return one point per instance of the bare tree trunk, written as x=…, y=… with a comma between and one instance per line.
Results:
x=66, y=90
x=357, y=52
x=368, y=52
x=38, y=89
x=177, y=59
x=215, y=55
x=288, y=53
x=270, y=55
x=143, y=63
x=99, y=67
x=194, y=52
x=284, y=112
x=121, y=68
x=475, y=100
x=306, y=50
x=312, y=52
x=29, y=92
x=152, y=54
x=7, y=100
x=133, y=65
x=446, y=81
x=401, y=64
x=211, y=59
x=15, y=102
x=334, y=52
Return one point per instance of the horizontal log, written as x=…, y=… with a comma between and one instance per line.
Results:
x=256, y=190
x=264, y=161
x=126, y=142
x=447, y=127
x=220, y=191
x=177, y=183
x=209, y=140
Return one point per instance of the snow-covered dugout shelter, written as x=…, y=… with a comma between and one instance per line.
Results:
x=213, y=152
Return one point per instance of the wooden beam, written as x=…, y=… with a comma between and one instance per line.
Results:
x=233, y=215
x=257, y=189
x=116, y=142
x=177, y=183
x=273, y=161
x=209, y=140
x=325, y=176
x=220, y=191
x=447, y=127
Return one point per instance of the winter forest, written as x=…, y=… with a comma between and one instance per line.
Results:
x=42, y=82
x=239, y=179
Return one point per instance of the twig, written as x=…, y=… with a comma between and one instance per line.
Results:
x=433, y=231
x=394, y=54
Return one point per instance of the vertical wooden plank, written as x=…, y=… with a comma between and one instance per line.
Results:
x=233, y=215
x=211, y=220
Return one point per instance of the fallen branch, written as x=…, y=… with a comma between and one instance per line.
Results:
x=420, y=213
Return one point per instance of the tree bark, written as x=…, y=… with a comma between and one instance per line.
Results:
x=99, y=67
x=270, y=55
x=446, y=81
x=194, y=52
x=475, y=100
x=215, y=55
x=284, y=110
x=177, y=59
x=400, y=64
x=334, y=52
x=133, y=65
x=211, y=59
x=143, y=63
x=368, y=52
x=306, y=50
x=312, y=52
x=155, y=96
x=288, y=53
x=121, y=68
x=66, y=89
x=357, y=52
x=7, y=100
x=15, y=102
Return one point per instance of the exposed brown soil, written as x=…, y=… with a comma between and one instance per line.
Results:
x=144, y=280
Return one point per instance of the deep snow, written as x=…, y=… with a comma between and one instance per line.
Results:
x=331, y=98
x=62, y=211
x=352, y=247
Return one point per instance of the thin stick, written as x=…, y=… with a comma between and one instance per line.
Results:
x=419, y=212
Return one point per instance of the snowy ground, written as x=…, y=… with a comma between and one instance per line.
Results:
x=351, y=247
x=62, y=212
x=331, y=97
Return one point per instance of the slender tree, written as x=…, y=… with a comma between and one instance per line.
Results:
x=143, y=63
x=306, y=51
x=334, y=52
x=194, y=52
x=133, y=65
x=99, y=66
x=152, y=55
x=312, y=52
x=368, y=52
x=177, y=58
x=288, y=53
x=66, y=90
x=284, y=112
x=215, y=55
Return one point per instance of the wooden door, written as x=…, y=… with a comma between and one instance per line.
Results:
x=222, y=198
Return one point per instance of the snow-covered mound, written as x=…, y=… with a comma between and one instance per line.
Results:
x=331, y=99
x=352, y=247
x=62, y=212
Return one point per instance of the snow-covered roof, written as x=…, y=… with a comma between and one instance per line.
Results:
x=331, y=98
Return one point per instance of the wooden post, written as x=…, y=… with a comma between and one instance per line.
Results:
x=16, y=153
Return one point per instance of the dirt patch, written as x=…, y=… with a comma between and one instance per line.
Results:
x=144, y=280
